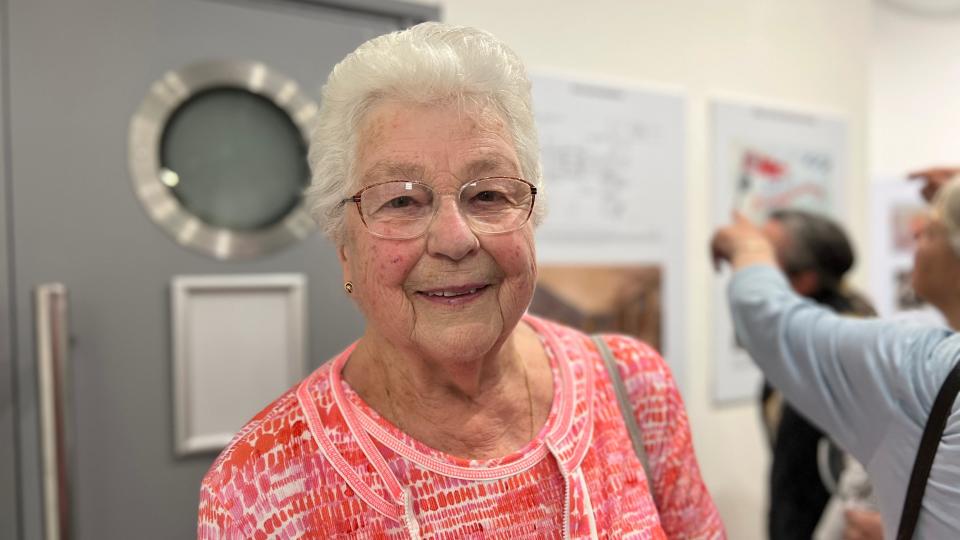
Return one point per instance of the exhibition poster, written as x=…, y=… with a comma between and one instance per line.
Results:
x=764, y=158
x=611, y=247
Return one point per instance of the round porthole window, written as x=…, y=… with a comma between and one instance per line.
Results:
x=218, y=155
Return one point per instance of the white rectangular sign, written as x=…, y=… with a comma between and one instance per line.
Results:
x=763, y=159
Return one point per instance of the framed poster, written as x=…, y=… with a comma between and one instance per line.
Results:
x=764, y=158
x=611, y=248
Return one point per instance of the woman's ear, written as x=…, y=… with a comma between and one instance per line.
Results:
x=344, y=261
x=805, y=283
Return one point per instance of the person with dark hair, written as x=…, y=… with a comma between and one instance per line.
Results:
x=884, y=390
x=815, y=254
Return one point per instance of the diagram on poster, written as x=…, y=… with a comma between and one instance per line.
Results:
x=764, y=159
x=613, y=166
x=614, y=170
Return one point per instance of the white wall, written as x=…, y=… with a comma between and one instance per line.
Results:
x=812, y=53
x=915, y=92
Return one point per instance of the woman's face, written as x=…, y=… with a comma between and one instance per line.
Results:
x=936, y=267
x=399, y=285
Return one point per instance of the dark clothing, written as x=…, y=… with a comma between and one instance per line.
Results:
x=797, y=495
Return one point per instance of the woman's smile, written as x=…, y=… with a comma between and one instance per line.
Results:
x=456, y=295
x=456, y=413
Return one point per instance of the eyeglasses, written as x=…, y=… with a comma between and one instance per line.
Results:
x=400, y=210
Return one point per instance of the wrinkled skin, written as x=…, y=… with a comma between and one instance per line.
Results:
x=443, y=147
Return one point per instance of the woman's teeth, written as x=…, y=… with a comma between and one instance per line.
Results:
x=448, y=293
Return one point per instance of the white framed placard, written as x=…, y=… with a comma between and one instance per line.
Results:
x=239, y=341
x=766, y=157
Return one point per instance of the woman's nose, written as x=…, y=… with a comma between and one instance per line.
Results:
x=449, y=234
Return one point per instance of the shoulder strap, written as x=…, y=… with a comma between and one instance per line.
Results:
x=932, y=434
x=626, y=409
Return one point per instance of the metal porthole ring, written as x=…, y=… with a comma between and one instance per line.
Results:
x=147, y=126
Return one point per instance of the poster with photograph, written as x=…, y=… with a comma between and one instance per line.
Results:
x=897, y=213
x=763, y=159
x=611, y=247
x=604, y=299
x=768, y=177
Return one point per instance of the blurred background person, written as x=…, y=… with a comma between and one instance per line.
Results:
x=869, y=384
x=815, y=254
x=936, y=272
x=934, y=178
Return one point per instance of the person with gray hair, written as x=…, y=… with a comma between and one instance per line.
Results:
x=456, y=414
x=883, y=390
x=936, y=273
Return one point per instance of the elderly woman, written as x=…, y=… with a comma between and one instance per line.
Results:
x=455, y=414
x=869, y=384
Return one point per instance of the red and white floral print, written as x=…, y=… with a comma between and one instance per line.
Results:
x=320, y=463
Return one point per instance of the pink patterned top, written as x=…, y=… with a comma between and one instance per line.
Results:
x=319, y=463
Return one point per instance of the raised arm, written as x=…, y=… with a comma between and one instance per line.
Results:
x=849, y=376
x=933, y=179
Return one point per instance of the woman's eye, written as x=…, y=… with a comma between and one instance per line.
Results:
x=490, y=196
x=399, y=202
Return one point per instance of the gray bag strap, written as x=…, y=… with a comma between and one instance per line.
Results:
x=626, y=409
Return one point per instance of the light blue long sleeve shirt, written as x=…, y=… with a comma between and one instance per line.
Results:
x=868, y=383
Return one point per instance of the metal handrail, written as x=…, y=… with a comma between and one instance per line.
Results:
x=53, y=376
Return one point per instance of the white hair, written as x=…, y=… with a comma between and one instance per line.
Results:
x=946, y=208
x=431, y=63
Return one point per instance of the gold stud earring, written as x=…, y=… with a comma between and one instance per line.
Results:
x=348, y=286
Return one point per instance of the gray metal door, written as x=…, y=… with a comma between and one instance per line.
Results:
x=8, y=477
x=76, y=73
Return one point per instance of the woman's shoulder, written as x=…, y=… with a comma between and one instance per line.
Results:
x=633, y=354
x=644, y=371
x=931, y=357
x=279, y=429
x=638, y=362
x=233, y=484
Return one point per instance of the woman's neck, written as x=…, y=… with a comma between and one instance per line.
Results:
x=948, y=304
x=478, y=408
x=952, y=313
x=437, y=379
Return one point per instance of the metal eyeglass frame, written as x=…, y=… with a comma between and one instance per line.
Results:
x=358, y=196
